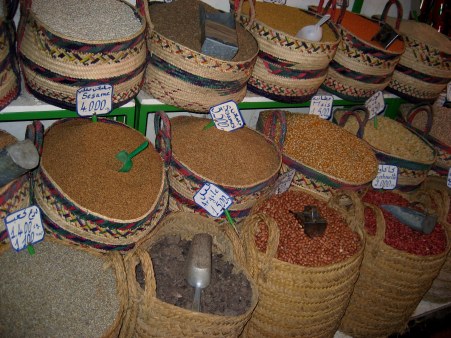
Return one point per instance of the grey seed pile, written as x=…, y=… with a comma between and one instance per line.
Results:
x=87, y=19
x=58, y=292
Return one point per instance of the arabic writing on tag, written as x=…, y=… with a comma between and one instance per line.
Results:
x=375, y=104
x=227, y=116
x=387, y=177
x=448, y=181
x=94, y=100
x=321, y=105
x=24, y=227
x=212, y=199
x=283, y=183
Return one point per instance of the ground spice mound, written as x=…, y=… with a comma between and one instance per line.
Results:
x=337, y=243
x=58, y=292
x=179, y=21
x=79, y=155
x=237, y=158
x=287, y=19
x=328, y=148
x=6, y=139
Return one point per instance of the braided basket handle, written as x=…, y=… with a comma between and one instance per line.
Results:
x=332, y=4
x=354, y=112
x=143, y=8
x=413, y=112
x=381, y=226
x=35, y=133
x=399, y=12
x=238, y=6
x=162, y=127
x=352, y=203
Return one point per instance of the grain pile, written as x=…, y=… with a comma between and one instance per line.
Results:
x=238, y=158
x=88, y=20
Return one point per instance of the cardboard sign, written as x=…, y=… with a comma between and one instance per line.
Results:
x=387, y=177
x=283, y=183
x=25, y=227
x=212, y=199
x=321, y=105
x=227, y=116
x=375, y=104
x=94, y=100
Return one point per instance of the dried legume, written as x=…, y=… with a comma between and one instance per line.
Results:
x=337, y=244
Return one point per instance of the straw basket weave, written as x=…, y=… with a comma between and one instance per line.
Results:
x=150, y=317
x=390, y=286
x=67, y=220
x=184, y=182
x=288, y=69
x=56, y=66
x=297, y=301
x=360, y=69
x=191, y=80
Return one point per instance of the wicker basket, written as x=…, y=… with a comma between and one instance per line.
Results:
x=184, y=182
x=288, y=69
x=360, y=68
x=298, y=301
x=55, y=66
x=69, y=221
x=191, y=80
x=148, y=316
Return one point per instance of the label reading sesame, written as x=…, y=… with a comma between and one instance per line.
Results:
x=212, y=199
x=321, y=105
x=448, y=181
x=24, y=227
x=387, y=177
x=227, y=116
x=283, y=183
x=95, y=100
x=375, y=104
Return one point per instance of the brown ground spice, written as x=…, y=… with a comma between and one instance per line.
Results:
x=237, y=158
x=79, y=156
x=6, y=139
x=179, y=21
x=287, y=19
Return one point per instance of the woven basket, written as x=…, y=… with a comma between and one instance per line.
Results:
x=191, y=80
x=297, y=301
x=113, y=260
x=150, y=317
x=67, y=220
x=410, y=113
x=9, y=67
x=410, y=172
x=359, y=68
x=288, y=69
x=56, y=66
x=272, y=123
x=185, y=182
x=391, y=284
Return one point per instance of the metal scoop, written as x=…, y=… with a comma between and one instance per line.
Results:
x=422, y=222
x=198, y=266
x=126, y=158
x=311, y=221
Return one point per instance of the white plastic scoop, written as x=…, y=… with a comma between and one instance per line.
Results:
x=313, y=32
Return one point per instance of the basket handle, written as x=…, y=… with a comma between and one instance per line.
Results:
x=35, y=133
x=238, y=6
x=332, y=4
x=354, y=112
x=143, y=8
x=412, y=113
x=352, y=204
x=399, y=10
x=380, y=221
x=162, y=127
x=270, y=127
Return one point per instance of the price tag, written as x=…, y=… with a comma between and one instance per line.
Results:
x=94, y=100
x=321, y=105
x=25, y=227
x=227, y=116
x=375, y=104
x=279, y=2
x=448, y=181
x=448, y=92
x=387, y=177
x=212, y=199
x=283, y=183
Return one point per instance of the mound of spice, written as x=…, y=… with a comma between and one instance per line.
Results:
x=80, y=157
x=328, y=148
x=399, y=235
x=238, y=158
x=336, y=244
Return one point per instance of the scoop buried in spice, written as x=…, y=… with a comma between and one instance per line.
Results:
x=311, y=221
x=313, y=32
x=198, y=266
x=416, y=220
x=126, y=158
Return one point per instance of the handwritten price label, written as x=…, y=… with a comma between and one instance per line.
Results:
x=375, y=104
x=321, y=105
x=25, y=227
x=387, y=177
x=448, y=92
x=94, y=100
x=283, y=183
x=227, y=116
x=448, y=181
x=212, y=199
x=279, y=2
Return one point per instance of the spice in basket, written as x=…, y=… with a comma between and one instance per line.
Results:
x=295, y=246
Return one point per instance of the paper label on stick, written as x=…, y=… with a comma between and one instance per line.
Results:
x=279, y=2
x=283, y=182
x=212, y=199
x=94, y=100
x=375, y=104
x=448, y=92
x=321, y=105
x=227, y=116
x=448, y=181
x=387, y=177
x=25, y=227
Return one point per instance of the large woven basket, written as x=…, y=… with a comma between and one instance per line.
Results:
x=69, y=221
x=184, y=182
x=191, y=80
x=149, y=316
x=359, y=68
x=55, y=66
x=9, y=67
x=298, y=301
x=288, y=69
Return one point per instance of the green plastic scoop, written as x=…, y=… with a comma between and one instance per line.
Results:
x=126, y=158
